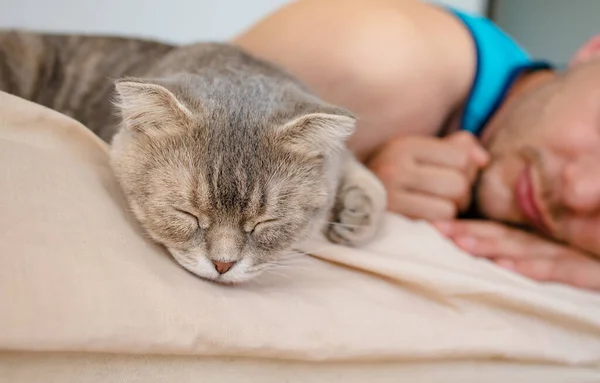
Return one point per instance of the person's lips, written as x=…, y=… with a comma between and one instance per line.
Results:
x=528, y=203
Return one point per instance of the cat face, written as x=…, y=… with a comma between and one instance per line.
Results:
x=225, y=188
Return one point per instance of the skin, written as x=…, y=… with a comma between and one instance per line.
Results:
x=405, y=68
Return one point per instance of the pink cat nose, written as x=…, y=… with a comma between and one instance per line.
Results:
x=223, y=267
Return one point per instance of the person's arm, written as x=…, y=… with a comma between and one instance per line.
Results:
x=402, y=66
x=525, y=253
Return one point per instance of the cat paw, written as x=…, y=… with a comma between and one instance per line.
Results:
x=356, y=216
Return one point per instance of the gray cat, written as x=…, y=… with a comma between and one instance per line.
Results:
x=226, y=160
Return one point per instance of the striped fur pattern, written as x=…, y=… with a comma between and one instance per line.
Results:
x=224, y=159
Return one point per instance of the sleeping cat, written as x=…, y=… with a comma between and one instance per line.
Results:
x=226, y=160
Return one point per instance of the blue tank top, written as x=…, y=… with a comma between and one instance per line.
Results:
x=499, y=62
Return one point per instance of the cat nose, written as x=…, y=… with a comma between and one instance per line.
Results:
x=223, y=267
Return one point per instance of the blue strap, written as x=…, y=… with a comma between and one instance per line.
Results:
x=500, y=60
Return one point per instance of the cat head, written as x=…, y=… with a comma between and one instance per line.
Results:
x=227, y=180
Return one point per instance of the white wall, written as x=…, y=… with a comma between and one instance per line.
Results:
x=173, y=20
x=475, y=6
x=179, y=21
x=549, y=29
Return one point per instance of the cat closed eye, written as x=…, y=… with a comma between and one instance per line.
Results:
x=189, y=215
x=262, y=224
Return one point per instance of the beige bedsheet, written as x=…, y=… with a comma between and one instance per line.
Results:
x=84, y=295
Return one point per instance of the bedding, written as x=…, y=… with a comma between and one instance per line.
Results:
x=86, y=297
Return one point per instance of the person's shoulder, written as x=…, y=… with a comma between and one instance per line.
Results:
x=500, y=59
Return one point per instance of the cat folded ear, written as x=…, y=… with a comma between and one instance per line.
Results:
x=317, y=134
x=148, y=107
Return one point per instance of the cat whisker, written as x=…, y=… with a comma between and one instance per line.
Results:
x=282, y=265
x=260, y=268
x=294, y=257
x=278, y=274
x=309, y=252
x=290, y=262
x=295, y=254
x=298, y=268
x=278, y=263
x=286, y=266
x=344, y=225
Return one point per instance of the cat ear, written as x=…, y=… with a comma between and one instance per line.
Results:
x=149, y=107
x=317, y=134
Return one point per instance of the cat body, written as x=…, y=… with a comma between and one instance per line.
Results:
x=226, y=160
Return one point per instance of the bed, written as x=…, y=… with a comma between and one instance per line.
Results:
x=86, y=297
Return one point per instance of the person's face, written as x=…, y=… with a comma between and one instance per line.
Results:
x=545, y=147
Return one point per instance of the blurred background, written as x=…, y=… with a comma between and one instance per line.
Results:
x=551, y=29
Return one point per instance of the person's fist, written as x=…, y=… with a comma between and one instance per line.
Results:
x=427, y=177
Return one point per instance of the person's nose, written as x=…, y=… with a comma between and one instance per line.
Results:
x=581, y=185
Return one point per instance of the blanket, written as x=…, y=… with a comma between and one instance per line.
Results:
x=84, y=292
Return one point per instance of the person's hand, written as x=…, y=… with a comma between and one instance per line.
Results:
x=524, y=253
x=429, y=178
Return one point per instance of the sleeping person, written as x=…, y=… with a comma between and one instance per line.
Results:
x=459, y=122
